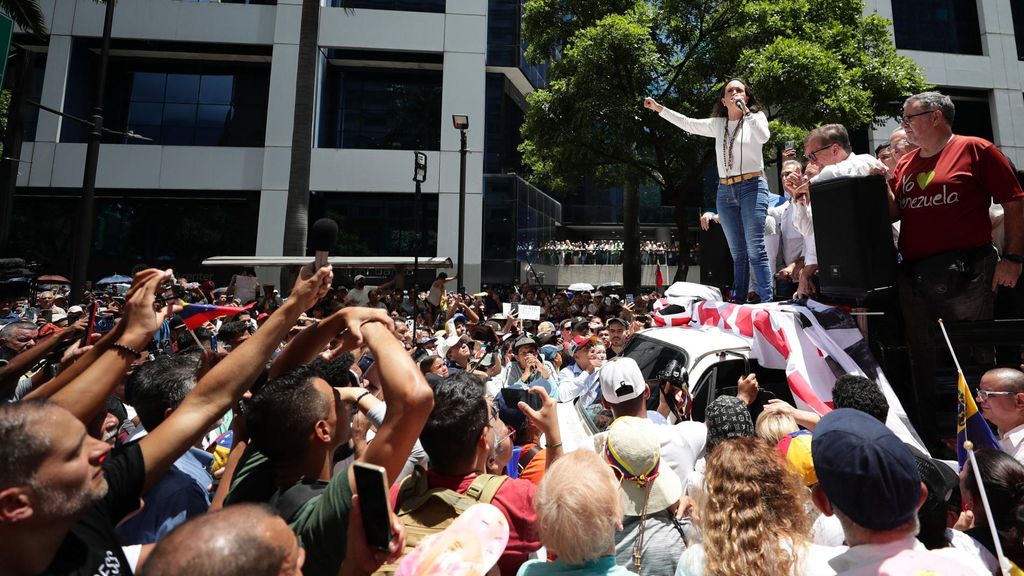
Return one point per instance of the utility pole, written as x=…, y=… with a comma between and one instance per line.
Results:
x=86, y=204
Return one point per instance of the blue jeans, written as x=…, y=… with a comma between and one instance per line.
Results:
x=742, y=208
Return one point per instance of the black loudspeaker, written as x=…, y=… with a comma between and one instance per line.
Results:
x=715, y=259
x=853, y=236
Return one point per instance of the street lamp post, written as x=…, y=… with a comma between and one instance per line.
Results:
x=461, y=123
x=86, y=205
x=419, y=175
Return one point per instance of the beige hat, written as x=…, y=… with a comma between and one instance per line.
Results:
x=632, y=448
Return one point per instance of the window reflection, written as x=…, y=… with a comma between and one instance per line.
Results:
x=381, y=109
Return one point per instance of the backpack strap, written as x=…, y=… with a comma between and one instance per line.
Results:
x=484, y=487
x=289, y=501
x=525, y=459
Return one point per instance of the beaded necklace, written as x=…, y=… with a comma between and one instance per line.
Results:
x=727, y=142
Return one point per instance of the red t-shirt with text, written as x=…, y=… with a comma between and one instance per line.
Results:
x=944, y=199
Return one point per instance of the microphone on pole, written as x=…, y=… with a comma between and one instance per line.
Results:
x=322, y=238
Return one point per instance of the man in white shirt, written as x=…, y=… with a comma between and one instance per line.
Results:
x=1001, y=400
x=360, y=295
x=868, y=478
x=829, y=155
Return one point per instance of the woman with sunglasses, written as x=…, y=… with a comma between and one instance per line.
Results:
x=740, y=129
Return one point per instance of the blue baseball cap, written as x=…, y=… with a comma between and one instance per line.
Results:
x=549, y=352
x=865, y=470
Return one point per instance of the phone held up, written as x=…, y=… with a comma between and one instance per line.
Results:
x=372, y=488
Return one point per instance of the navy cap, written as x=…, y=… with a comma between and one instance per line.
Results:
x=865, y=470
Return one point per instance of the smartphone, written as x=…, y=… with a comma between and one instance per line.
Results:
x=213, y=342
x=91, y=326
x=513, y=396
x=629, y=299
x=372, y=488
x=365, y=362
x=789, y=145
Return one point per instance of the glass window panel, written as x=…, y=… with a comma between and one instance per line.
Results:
x=209, y=136
x=178, y=135
x=144, y=113
x=216, y=89
x=183, y=88
x=148, y=86
x=210, y=116
x=179, y=115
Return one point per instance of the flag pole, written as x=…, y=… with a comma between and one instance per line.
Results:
x=1004, y=563
x=194, y=337
x=956, y=362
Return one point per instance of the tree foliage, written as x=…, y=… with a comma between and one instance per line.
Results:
x=809, y=62
x=27, y=14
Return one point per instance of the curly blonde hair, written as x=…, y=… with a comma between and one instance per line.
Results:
x=752, y=504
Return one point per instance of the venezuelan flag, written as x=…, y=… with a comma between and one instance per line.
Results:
x=970, y=425
x=195, y=315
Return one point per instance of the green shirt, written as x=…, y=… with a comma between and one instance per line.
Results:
x=321, y=524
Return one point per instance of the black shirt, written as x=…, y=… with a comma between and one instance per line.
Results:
x=91, y=547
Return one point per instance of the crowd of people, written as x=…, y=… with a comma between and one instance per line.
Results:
x=566, y=252
x=135, y=438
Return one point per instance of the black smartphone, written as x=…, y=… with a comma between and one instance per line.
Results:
x=372, y=488
x=91, y=326
x=365, y=362
x=513, y=396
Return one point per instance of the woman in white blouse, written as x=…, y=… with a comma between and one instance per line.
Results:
x=740, y=129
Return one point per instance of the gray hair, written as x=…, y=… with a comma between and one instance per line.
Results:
x=831, y=134
x=23, y=445
x=935, y=101
x=8, y=330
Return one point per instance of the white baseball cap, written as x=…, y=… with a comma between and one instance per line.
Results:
x=621, y=380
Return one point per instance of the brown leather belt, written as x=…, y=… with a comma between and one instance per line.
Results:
x=740, y=178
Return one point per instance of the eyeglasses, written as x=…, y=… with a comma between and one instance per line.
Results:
x=907, y=119
x=986, y=394
x=811, y=157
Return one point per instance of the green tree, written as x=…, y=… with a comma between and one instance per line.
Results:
x=26, y=14
x=809, y=61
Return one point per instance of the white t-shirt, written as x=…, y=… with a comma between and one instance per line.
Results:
x=1012, y=442
x=359, y=296
x=866, y=559
x=812, y=560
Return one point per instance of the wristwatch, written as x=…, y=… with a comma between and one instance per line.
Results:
x=1015, y=258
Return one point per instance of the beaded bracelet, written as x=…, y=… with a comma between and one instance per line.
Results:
x=126, y=348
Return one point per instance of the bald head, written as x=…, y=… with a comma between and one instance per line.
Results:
x=241, y=540
x=1010, y=379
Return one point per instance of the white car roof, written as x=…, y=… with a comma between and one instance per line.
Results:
x=697, y=343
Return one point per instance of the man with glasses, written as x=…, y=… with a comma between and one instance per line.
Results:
x=941, y=193
x=829, y=155
x=1001, y=400
x=791, y=241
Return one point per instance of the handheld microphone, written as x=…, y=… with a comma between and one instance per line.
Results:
x=322, y=238
x=741, y=105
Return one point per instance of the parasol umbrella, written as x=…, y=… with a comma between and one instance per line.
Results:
x=115, y=279
x=581, y=287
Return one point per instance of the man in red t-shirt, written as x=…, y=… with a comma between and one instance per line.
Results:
x=941, y=193
x=459, y=437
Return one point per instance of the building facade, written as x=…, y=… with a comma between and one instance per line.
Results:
x=211, y=87
x=972, y=50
